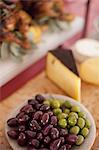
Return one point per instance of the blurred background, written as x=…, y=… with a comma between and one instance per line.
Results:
x=29, y=29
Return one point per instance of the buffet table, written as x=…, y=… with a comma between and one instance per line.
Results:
x=12, y=71
x=41, y=84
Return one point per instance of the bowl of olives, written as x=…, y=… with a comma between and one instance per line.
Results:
x=50, y=122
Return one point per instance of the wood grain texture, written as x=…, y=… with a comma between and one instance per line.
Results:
x=41, y=84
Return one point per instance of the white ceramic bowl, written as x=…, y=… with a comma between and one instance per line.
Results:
x=88, y=141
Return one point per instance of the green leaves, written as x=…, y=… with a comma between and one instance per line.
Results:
x=11, y=49
x=4, y=50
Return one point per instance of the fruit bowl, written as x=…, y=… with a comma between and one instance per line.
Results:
x=89, y=139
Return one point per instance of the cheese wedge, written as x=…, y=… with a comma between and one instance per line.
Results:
x=89, y=71
x=85, y=49
x=61, y=69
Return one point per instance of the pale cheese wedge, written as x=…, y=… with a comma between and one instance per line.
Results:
x=89, y=71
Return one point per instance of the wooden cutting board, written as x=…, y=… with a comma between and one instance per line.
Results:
x=41, y=84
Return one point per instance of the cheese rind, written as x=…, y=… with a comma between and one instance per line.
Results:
x=85, y=49
x=63, y=77
x=66, y=57
x=89, y=71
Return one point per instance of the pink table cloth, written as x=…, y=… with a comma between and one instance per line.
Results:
x=93, y=17
x=77, y=7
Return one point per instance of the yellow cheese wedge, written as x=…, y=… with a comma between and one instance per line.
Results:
x=89, y=71
x=63, y=77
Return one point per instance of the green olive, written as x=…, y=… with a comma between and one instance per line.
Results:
x=46, y=102
x=51, y=100
x=85, y=132
x=72, y=120
x=87, y=123
x=62, y=123
x=75, y=109
x=57, y=111
x=55, y=104
x=82, y=114
x=62, y=116
x=81, y=122
x=67, y=104
x=80, y=140
x=74, y=130
x=61, y=102
x=67, y=111
x=74, y=114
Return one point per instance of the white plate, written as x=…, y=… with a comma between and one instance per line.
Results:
x=87, y=143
